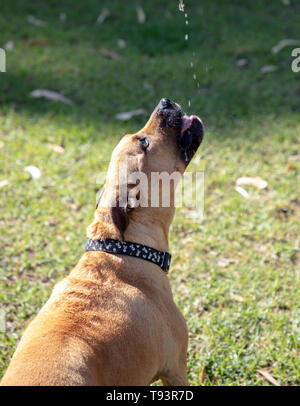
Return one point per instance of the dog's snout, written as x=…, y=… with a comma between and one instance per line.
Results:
x=166, y=104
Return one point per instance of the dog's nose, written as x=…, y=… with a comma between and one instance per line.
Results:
x=166, y=104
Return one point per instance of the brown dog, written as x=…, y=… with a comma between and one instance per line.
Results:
x=113, y=320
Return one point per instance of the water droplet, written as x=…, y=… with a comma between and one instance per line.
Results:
x=186, y=37
x=181, y=5
x=186, y=22
x=192, y=65
x=189, y=103
x=194, y=76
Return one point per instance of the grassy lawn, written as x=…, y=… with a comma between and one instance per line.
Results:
x=234, y=275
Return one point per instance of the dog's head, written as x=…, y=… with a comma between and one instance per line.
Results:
x=165, y=145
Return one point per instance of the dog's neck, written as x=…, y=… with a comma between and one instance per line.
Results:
x=150, y=227
x=147, y=226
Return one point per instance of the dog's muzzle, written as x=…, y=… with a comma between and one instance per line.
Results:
x=189, y=129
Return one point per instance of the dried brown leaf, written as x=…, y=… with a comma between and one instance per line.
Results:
x=57, y=148
x=284, y=43
x=4, y=182
x=111, y=54
x=237, y=297
x=242, y=192
x=266, y=374
x=51, y=95
x=103, y=16
x=294, y=158
x=33, y=171
x=258, y=182
x=203, y=376
x=121, y=43
x=241, y=50
x=268, y=69
x=35, y=21
x=36, y=42
x=9, y=45
x=141, y=16
x=242, y=62
x=127, y=115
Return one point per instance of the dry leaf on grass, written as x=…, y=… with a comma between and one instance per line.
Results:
x=268, y=69
x=294, y=158
x=203, y=376
x=127, y=115
x=224, y=262
x=256, y=181
x=141, y=16
x=121, y=43
x=289, y=167
x=62, y=16
x=57, y=148
x=9, y=45
x=103, y=16
x=35, y=21
x=36, y=42
x=284, y=43
x=111, y=54
x=241, y=50
x=51, y=95
x=33, y=171
x=242, y=62
x=242, y=192
x=268, y=376
x=237, y=297
x=4, y=182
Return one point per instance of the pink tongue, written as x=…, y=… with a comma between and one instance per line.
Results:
x=186, y=123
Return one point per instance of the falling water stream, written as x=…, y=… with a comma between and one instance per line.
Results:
x=186, y=37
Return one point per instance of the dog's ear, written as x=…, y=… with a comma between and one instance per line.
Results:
x=120, y=218
x=100, y=194
x=119, y=212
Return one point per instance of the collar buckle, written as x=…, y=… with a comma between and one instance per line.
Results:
x=165, y=263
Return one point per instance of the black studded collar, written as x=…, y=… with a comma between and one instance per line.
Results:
x=160, y=258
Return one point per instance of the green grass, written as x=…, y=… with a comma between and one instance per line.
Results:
x=234, y=275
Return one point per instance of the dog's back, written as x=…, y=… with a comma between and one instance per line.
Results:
x=105, y=324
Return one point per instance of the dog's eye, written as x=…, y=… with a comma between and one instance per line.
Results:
x=144, y=143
